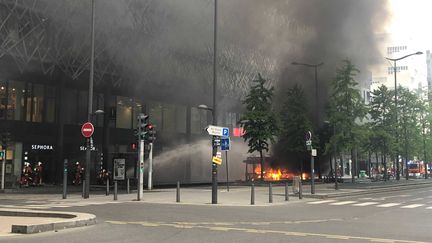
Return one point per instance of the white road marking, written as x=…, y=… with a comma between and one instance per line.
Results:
x=387, y=205
x=321, y=202
x=429, y=208
x=413, y=206
x=343, y=203
x=365, y=204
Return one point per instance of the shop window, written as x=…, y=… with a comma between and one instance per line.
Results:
x=49, y=115
x=16, y=92
x=69, y=104
x=124, y=112
x=38, y=103
x=3, y=99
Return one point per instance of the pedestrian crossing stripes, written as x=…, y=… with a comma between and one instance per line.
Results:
x=388, y=205
x=413, y=206
x=343, y=203
x=402, y=205
x=365, y=204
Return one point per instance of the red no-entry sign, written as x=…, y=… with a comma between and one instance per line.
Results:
x=87, y=129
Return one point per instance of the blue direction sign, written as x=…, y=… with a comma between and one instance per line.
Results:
x=225, y=144
x=225, y=132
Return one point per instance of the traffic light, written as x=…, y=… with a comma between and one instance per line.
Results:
x=142, y=126
x=151, y=133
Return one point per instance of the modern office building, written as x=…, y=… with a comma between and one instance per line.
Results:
x=44, y=76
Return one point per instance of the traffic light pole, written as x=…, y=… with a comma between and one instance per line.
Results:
x=3, y=169
x=150, y=172
x=140, y=170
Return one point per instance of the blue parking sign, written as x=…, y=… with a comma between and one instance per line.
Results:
x=225, y=132
x=225, y=144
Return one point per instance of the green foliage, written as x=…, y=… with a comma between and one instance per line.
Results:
x=345, y=107
x=295, y=122
x=261, y=126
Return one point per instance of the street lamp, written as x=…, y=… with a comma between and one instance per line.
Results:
x=396, y=112
x=90, y=102
x=315, y=66
x=214, y=151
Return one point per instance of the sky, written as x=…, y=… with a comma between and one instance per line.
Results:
x=411, y=19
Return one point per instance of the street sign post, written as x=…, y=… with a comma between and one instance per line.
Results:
x=218, y=131
x=87, y=129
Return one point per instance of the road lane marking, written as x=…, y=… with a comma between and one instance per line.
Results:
x=387, y=205
x=343, y=203
x=429, y=208
x=413, y=206
x=365, y=204
x=261, y=231
x=321, y=202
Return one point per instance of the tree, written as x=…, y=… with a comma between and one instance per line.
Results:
x=382, y=123
x=259, y=121
x=294, y=123
x=345, y=108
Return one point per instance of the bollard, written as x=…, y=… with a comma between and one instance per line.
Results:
x=270, y=193
x=83, y=187
x=286, y=191
x=252, y=194
x=128, y=186
x=107, y=187
x=178, y=192
x=115, y=190
x=300, y=190
x=65, y=173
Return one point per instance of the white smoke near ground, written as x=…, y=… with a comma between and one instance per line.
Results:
x=191, y=163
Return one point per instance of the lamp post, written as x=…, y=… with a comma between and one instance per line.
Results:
x=90, y=103
x=214, y=151
x=315, y=66
x=394, y=60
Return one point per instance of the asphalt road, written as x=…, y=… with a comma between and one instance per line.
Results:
x=403, y=216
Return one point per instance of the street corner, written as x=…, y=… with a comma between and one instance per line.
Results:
x=25, y=221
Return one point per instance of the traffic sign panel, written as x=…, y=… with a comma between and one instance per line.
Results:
x=87, y=129
x=225, y=144
x=217, y=131
x=217, y=160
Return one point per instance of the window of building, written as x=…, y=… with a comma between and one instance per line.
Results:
x=49, y=104
x=3, y=99
x=198, y=120
x=38, y=103
x=124, y=112
x=155, y=112
x=69, y=104
x=137, y=109
x=181, y=113
x=16, y=92
x=82, y=97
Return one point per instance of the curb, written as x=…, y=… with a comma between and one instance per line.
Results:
x=68, y=220
x=368, y=191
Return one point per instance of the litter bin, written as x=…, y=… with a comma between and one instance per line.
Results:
x=362, y=174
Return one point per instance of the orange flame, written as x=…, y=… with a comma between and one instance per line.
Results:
x=272, y=174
